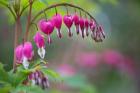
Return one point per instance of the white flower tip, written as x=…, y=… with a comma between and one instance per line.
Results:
x=41, y=52
x=25, y=63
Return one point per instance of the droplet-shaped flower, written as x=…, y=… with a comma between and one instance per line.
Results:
x=41, y=25
x=92, y=25
x=68, y=20
x=40, y=42
x=57, y=20
x=28, y=50
x=98, y=35
x=27, y=54
x=19, y=53
x=82, y=26
x=76, y=22
x=47, y=27
x=87, y=26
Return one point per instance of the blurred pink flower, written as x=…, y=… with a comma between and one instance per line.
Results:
x=118, y=60
x=112, y=57
x=87, y=59
x=66, y=70
x=127, y=65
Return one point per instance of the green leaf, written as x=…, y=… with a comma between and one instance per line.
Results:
x=50, y=73
x=35, y=63
x=3, y=74
x=17, y=78
x=5, y=87
x=3, y=2
x=28, y=89
x=44, y=1
x=80, y=82
x=76, y=81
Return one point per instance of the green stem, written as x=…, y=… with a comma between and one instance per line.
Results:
x=62, y=4
x=16, y=41
x=28, y=21
x=9, y=8
x=24, y=8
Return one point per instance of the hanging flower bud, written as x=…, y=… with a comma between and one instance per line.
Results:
x=28, y=50
x=57, y=19
x=38, y=78
x=98, y=35
x=19, y=53
x=76, y=22
x=41, y=25
x=82, y=26
x=47, y=27
x=39, y=40
x=92, y=25
x=45, y=83
x=87, y=27
x=102, y=32
x=68, y=22
x=27, y=54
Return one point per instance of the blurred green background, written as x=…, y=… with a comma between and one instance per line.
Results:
x=88, y=67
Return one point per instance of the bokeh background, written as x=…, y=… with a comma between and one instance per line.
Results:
x=112, y=66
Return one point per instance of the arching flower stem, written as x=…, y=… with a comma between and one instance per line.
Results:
x=30, y=21
x=62, y=4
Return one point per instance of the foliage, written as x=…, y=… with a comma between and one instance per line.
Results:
x=13, y=81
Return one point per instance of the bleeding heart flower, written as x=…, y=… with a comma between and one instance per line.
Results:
x=92, y=25
x=28, y=50
x=82, y=26
x=66, y=70
x=39, y=40
x=101, y=31
x=76, y=22
x=68, y=20
x=98, y=35
x=87, y=27
x=39, y=79
x=57, y=19
x=41, y=25
x=24, y=52
x=19, y=53
x=47, y=27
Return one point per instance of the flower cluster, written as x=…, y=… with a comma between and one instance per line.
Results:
x=38, y=78
x=24, y=53
x=40, y=43
x=84, y=26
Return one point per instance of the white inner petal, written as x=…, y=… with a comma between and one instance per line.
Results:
x=25, y=63
x=41, y=52
x=33, y=82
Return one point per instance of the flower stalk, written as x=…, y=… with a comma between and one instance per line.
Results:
x=62, y=4
x=15, y=43
x=28, y=21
